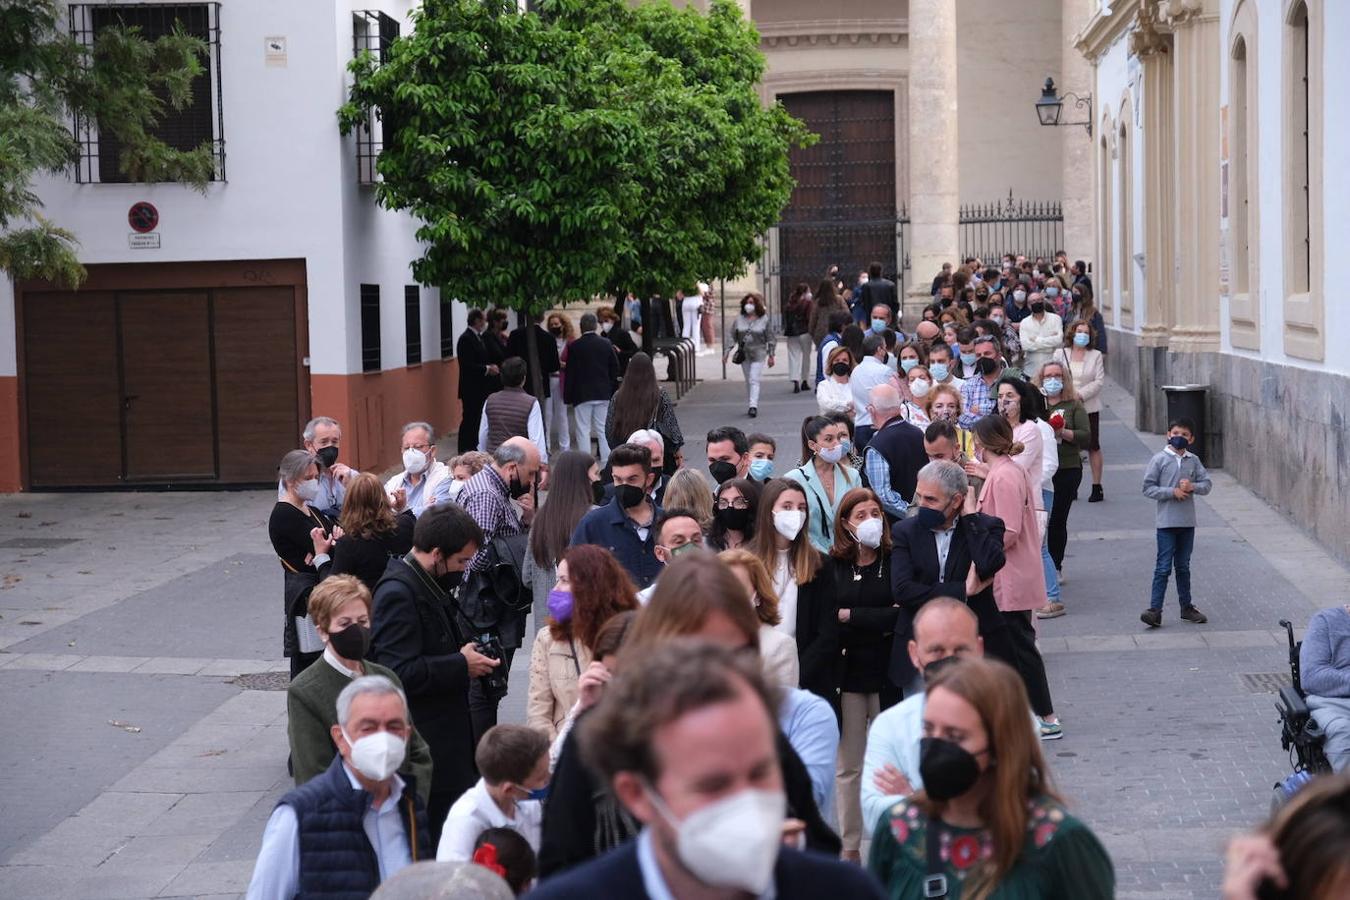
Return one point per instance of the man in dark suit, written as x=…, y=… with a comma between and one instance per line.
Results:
x=544, y=359
x=880, y=290
x=947, y=550
x=592, y=378
x=694, y=715
x=477, y=373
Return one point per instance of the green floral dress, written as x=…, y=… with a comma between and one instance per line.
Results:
x=1061, y=859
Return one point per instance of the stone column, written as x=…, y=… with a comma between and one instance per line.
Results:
x=934, y=173
x=1077, y=158
x=1195, y=25
x=1159, y=191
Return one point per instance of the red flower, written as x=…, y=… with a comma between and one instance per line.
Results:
x=899, y=830
x=965, y=851
x=1044, y=832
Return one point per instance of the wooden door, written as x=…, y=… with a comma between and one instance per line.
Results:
x=257, y=383
x=167, y=410
x=71, y=399
x=843, y=208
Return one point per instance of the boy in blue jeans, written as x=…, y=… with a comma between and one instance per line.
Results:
x=1173, y=477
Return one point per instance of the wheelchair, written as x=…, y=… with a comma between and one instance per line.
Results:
x=1300, y=736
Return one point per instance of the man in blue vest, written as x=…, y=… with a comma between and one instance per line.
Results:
x=342, y=833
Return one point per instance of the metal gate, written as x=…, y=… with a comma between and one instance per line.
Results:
x=990, y=230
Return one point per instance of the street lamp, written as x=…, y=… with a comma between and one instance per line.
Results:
x=1050, y=105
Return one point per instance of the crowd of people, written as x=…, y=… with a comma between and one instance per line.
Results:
x=738, y=679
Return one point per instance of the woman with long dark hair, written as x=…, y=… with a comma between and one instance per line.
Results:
x=591, y=587
x=573, y=489
x=734, y=511
x=640, y=402
x=797, y=330
x=825, y=474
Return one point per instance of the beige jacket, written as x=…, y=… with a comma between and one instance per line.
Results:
x=553, y=681
x=778, y=652
x=1089, y=383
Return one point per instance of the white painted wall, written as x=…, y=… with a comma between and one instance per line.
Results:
x=290, y=192
x=1113, y=85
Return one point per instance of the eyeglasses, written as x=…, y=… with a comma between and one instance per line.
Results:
x=738, y=503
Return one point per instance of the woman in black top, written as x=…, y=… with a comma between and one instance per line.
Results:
x=640, y=402
x=371, y=533
x=302, y=538
x=865, y=615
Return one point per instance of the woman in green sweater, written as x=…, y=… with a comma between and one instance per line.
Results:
x=1073, y=432
x=340, y=608
x=987, y=821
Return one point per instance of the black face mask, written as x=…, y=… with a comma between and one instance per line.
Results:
x=351, y=642
x=1038, y=307
x=721, y=471
x=598, y=492
x=629, y=495
x=517, y=489
x=948, y=770
x=840, y=369
x=986, y=366
x=449, y=581
x=555, y=330
x=732, y=519
x=327, y=456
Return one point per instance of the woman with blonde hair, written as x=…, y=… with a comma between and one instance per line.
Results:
x=371, y=531
x=687, y=489
x=833, y=393
x=1010, y=494
x=944, y=405
x=778, y=650
x=987, y=802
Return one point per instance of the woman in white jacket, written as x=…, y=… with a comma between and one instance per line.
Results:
x=1041, y=334
x=1088, y=367
x=833, y=394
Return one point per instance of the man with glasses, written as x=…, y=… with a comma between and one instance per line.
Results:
x=425, y=480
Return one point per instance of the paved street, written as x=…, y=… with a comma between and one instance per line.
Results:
x=136, y=764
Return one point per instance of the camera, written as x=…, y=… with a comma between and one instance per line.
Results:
x=494, y=683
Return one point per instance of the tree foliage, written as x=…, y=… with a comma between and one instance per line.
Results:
x=554, y=156
x=47, y=78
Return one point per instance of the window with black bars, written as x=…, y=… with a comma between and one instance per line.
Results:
x=370, y=328
x=447, y=326
x=412, y=317
x=199, y=122
x=373, y=32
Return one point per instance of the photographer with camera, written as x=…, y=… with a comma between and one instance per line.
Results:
x=417, y=633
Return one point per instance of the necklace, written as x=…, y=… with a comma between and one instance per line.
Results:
x=858, y=570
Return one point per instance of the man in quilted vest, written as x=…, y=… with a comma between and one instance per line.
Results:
x=342, y=833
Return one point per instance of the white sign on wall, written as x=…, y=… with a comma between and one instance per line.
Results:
x=274, y=51
x=143, y=241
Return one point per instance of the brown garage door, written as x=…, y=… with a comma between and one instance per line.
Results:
x=159, y=387
x=842, y=210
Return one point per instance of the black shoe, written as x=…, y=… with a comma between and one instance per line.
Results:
x=805, y=388
x=1191, y=614
x=753, y=412
x=1152, y=618
x=796, y=388
x=1096, y=496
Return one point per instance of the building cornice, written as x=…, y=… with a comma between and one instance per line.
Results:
x=1102, y=31
x=832, y=32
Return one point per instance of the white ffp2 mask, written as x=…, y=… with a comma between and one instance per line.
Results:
x=378, y=755
x=732, y=843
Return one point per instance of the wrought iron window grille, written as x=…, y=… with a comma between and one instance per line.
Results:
x=373, y=32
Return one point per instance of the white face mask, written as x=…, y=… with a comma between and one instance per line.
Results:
x=869, y=531
x=606, y=326
x=789, y=522
x=732, y=843
x=831, y=454
x=308, y=490
x=919, y=387
x=415, y=461
x=456, y=486
x=378, y=755
x=749, y=309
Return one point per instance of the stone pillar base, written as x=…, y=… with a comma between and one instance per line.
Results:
x=911, y=308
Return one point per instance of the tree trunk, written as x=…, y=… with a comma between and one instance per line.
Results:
x=536, y=365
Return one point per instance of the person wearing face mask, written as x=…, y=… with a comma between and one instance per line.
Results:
x=734, y=512
x=919, y=382
x=425, y=480
x=358, y=822
x=881, y=319
x=1041, y=333
x=676, y=532
x=340, y=609
x=621, y=338
x=825, y=475
x=1173, y=478
x=1088, y=367
x=715, y=725
x=513, y=760
x=895, y=454
x=834, y=394
x=591, y=587
x=322, y=437
x=797, y=331
x=558, y=410
x=302, y=538
x=870, y=372
x=778, y=651
x=942, y=366
x=978, y=395
x=1007, y=334
x=831, y=341
x=625, y=525
x=986, y=796
x=728, y=452
x=752, y=345
x=371, y=532
x=782, y=545
x=1071, y=427
x=477, y=375
x=1017, y=306
x=415, y=632
x=860, y=624
x=574, y=490
x=763, y=449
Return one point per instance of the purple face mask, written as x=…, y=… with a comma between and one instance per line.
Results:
x=560, y=605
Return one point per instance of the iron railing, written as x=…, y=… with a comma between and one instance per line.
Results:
x=990, y=230
x=200, y=122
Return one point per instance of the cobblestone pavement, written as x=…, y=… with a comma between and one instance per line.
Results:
x=138, y=764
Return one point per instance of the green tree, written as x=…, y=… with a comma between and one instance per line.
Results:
x=123, y=81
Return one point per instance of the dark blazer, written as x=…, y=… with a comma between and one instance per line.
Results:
x=414, y=633
x=808, y=876
x=592, y=370
x=608, y=526
x=881, y=290
x=818, y=637
x=474, y=357
x=546, y=345
x=623, y=342
x=916, y=578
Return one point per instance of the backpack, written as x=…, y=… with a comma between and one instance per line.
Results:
x=497, y=597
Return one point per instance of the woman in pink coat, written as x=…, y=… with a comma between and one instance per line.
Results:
x=1019, y=587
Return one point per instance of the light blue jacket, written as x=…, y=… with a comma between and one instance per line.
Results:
x=819, y=510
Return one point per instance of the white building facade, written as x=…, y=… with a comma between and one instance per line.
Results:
x=1216, y=212
x=214, y=323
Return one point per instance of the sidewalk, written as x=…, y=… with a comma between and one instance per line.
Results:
x=137, y=765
